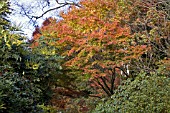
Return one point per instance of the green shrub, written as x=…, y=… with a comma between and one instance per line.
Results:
x=146, y=94
x=18, y=95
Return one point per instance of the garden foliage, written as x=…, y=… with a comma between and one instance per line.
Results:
x=87, y=56
x=146, y=94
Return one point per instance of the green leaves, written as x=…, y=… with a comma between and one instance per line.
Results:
x=26, y=75
x=4, y=11
x=144, y=94
x=19, y=93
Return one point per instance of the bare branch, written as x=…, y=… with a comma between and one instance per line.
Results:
x=37, y=17
x=62, y=5
x=105, y=84
x=124, y=72
x=113, y=76
x=33, y=19
x=104, y=89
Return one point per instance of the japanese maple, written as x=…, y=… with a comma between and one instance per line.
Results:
x=105, y=38
x=94, y=39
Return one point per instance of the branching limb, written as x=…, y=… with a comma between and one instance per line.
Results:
x=61, y=5
x=33, y=18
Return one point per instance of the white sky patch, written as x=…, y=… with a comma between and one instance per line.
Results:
x=33, y=8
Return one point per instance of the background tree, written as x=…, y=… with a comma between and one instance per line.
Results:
x=149, y=22
x=4, y=11
x=11, y=84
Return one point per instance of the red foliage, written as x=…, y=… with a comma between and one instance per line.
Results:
x=36, y=32
x=46, y=22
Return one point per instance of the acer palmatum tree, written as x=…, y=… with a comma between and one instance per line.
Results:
x=96, y=41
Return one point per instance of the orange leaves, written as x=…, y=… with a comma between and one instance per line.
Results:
x=87, y=27
x=88, y=32
x=96, y=38
x=71, y=51
x=66, y=39
x=104, y=36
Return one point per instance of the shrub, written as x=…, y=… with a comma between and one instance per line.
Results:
x=18, y=95
x=146, y=94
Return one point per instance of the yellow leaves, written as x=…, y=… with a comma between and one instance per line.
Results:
x=82, y=53
x=46, y=51
x=89, y=56
x=154, y=32
x=32, y=65
x=8, y=45
x=17, y=42
x=4, y=35
x=35, y=66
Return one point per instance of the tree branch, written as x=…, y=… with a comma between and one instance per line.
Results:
x=122, y=71
x=33, y=18
x=105, y=84
x=61, y=5
x=37, y=17
x=113, y=75
x=105, y=90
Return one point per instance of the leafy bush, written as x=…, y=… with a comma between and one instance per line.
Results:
x=146, y=94
x=27, y=76
x=18, y=95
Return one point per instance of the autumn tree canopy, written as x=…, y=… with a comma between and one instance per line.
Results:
x=96, y=40
x=111, y=39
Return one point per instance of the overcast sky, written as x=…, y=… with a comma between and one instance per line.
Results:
x=34, y=7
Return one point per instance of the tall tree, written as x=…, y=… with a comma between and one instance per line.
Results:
x=26, y=76
x=104, y=39
x=95, y=41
